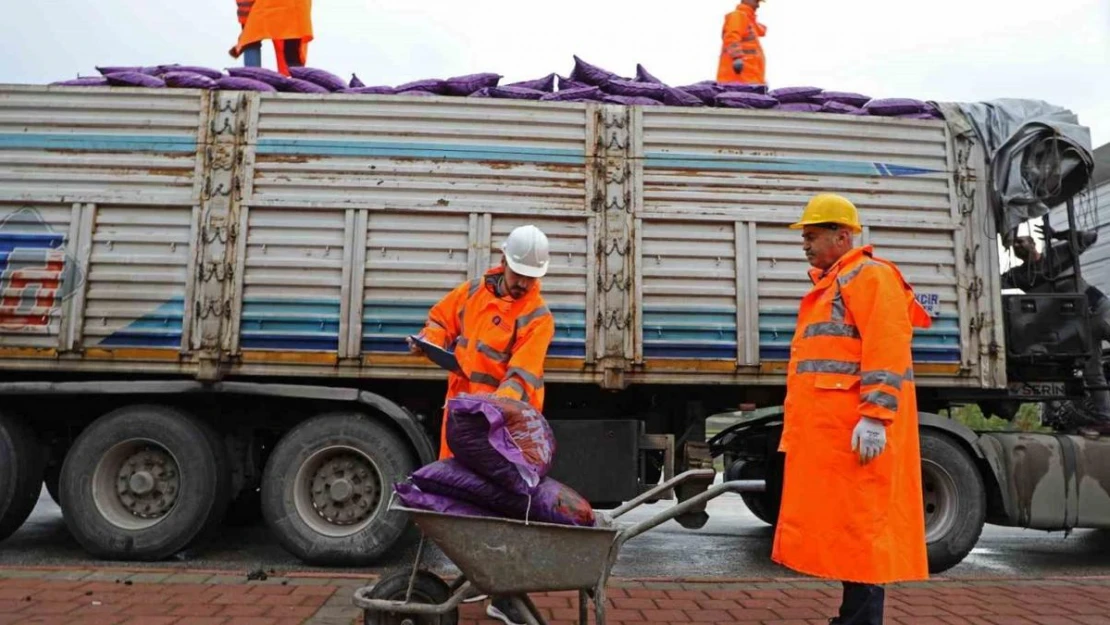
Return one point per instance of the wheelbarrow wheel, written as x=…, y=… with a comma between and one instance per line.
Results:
x=427, y=588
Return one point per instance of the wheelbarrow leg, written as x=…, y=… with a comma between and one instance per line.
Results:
x=599, y=604
x=583, y=608
x=528, y=610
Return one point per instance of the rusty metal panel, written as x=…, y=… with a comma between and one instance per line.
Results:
x=137, y=276
x=39, y=272
x=442, y=155
x=715, y=169
x=293, y=279
x=412, y=261
x=121, y=145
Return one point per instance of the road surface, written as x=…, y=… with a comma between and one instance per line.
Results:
x=734, y=544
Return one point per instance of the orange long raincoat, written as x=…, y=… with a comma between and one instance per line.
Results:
x=740, y=40
x=500, y=343
x=276, y=20
x=850, y=357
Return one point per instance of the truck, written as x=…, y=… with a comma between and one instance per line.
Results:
x=206, y=294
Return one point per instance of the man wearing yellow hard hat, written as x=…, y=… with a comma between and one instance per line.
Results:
x=851, y=498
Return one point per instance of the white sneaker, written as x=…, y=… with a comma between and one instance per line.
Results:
x=503, y=610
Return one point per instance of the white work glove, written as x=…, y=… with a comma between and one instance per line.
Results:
x=869, y=438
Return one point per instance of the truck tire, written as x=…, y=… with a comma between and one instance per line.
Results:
x=143, y=483
x=20, y=474
x=756, y=502
x=326, y=487
x=955, y=500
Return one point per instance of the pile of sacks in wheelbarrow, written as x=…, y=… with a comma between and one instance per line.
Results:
x=503, y=450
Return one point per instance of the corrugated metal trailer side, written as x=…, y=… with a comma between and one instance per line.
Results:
x=280, y=234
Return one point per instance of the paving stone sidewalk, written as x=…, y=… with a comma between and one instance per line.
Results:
x=121, y=597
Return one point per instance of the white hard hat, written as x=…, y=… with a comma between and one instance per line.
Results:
x=526, y=251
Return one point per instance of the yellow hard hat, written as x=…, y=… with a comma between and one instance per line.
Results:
x=830, y=208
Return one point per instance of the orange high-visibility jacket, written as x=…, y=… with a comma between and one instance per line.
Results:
x=276, y=20
x=740, y=40
x=500, y=343
x=850, y=357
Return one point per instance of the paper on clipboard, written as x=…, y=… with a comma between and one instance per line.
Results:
x=438, y=355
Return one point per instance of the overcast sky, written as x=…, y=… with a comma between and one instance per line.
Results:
x=954, y=50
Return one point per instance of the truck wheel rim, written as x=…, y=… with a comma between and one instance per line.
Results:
x=338, y=491
x=938, y=488
x=136, y=484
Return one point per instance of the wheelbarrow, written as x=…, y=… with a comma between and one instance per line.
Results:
x=512, y=558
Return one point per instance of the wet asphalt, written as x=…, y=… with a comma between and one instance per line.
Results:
x=734, y=544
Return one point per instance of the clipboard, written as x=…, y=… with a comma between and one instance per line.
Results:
x=438, y=355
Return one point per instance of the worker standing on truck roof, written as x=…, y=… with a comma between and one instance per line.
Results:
x=499, y=328
x=1036, y=275
x=742, y=57
x=851, y=496
x=288, y=23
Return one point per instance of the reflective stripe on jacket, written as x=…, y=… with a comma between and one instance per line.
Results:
x=500, y=343
x=851, y=357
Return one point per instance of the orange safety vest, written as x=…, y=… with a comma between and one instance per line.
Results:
x=500, y=343
x=277, y=20
x=740, y=40
x=244, y=10
x=851, y=357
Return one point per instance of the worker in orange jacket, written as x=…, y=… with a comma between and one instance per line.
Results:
x=499, y=328
x=851, y=496
x=287, y=23
x=742, y=57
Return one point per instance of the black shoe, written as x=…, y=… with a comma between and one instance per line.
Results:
x=502, y=609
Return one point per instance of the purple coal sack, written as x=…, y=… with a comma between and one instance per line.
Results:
x=207, y=72
x=135, y=79
x=466, y=85
x=413, y=497
x=355, y=83
x=319, y=77
x=377, y=90
x=856, y=100
x=553, y=501
x=567, y=83
x=840, y=108
x=794, y=94
x=515, y=93
x=741, y=87
x=590, y=74
x=188, y=80
x=633, y=89
x=150, y=71
x=892, y=107
x=707, y=92
x=239, y=83
x=276, y=80
x=680, y=97
x=545, y=84
x=580, y=94
x=85, y=81
x=745, y=100
x=629, y=100
x=798, y=107
x=642, y=75
x=507, y=441
x=432, y=85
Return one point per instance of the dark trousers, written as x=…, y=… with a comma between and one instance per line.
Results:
x=862, y=605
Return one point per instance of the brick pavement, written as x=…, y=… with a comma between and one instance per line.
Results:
x=172, y=597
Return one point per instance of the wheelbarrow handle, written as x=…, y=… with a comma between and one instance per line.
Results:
x=736, y=486
x=665, y=486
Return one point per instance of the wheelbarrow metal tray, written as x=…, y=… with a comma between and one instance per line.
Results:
x=507, y=556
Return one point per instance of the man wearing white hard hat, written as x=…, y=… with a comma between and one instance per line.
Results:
x=499, y=329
